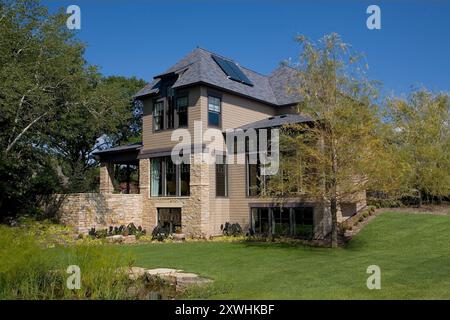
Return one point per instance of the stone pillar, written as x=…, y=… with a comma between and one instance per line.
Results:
x=144, y=176
x=106, y=178
x=148, y=209
x=196, y=217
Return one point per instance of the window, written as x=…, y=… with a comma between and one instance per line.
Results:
x=182, y=111
x=169, y=219
x=185, y=176
x=214, y=110
x=171, y=177
x=221, y=177
x=168, y=179
x=295, y=222
x=253, y=179
x=158, y=115
x=257, y=182
x=303, y=222
x=281, y=220
x=156, y=172
x=170, y=113
x=261, y=221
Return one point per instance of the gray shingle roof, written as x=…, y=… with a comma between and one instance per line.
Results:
x=276, y=121
x=199, y=66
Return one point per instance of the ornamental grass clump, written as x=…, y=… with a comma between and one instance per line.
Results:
x=29, y=270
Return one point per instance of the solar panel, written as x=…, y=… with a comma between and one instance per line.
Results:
x=232, y=70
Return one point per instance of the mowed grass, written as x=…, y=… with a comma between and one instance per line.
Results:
x=412, y=250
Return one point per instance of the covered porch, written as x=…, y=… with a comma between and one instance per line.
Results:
x=119, y=169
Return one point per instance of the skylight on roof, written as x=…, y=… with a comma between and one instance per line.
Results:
x=232, y=71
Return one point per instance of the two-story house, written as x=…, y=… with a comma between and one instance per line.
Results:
x=205, y=90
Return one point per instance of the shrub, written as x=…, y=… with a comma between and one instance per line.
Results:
x=384, y=203
x=231, y=229
x=160, y=233
x=123, y=230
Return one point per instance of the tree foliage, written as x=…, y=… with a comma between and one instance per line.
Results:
x=55, y=108
x=419, y=132
x=341, y=153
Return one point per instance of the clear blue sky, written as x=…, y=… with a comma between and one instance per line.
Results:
x=142, y=37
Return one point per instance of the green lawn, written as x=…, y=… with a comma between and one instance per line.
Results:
x=412, y=250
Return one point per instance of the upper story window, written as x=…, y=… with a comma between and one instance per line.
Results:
x=158, y=115
x=182, y=111
x=170, y=112
x=214, y=111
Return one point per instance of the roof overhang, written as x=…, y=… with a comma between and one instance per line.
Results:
x=119, y=155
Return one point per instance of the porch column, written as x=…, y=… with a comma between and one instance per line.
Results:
x=144, y=177
x=106, y=177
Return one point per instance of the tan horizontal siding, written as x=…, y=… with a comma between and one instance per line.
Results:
x=237, y=111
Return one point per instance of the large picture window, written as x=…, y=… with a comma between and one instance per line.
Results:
x=283, y=221
x=168, y=179
x=214, y=111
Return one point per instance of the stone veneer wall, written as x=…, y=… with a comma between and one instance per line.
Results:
x=100, y=210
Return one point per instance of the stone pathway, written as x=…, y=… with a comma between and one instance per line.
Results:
x=172, y=276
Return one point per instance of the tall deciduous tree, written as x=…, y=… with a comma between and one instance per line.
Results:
x=103, y=115
x=420, y=133
x=39, y=61
x=54, y=107
x=340, y=154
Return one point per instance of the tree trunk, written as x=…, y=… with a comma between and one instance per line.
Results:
x=420, y=199
x=334, y=229
x=333, y=189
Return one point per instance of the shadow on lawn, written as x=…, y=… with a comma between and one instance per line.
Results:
x=353, y=245
x=281, y=245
